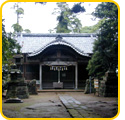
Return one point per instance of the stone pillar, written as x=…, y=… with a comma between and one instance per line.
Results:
x=109, y=85
x=76, y=76
x=40, y=75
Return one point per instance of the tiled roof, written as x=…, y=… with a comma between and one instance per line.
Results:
x=36, y=43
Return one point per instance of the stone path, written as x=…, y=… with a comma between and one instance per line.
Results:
x=76, y=109
x=45, y=110
x=62, y=105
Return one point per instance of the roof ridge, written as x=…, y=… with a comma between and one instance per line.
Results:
x=56, y=34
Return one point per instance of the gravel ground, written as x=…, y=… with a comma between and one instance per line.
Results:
x=48, y=105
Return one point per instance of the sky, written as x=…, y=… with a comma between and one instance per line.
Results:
x=39, y=18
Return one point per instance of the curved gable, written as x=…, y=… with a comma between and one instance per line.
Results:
x=58, y=41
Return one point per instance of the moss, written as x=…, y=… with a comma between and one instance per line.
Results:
x=15, y=106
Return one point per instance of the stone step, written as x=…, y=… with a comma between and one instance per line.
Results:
x=60, y=90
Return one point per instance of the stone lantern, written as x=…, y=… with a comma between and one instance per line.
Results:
x=12, y=86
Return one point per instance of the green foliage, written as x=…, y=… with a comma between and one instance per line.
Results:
x=76, y=25
x=20, y=11
x=67, y=20
x=105, y=55
x=27, y=31
x=9, y=46
x=5, y=77
x=63, y=18
x=77, y=8
x=94, y=28
x=87, y=29
x=106, y=10
x=17, y=28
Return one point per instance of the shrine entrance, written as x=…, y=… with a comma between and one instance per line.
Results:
x=60, y=67
x=58, y=75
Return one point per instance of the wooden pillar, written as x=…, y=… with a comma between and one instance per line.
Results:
x=58, y=76
x=76, y=76
x=40, y=75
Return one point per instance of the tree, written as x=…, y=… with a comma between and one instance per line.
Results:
x=67, y=18
x=17, y=27
x=63, y=18
x=105, y=51
x=93, y=29
x=78, y=8
x=9, y=46
x=27, y=31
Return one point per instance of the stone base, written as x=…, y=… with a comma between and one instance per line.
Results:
x=13, y=100
x=57, y=85
x=109, y=85
x=32, y=88
x=21, y=90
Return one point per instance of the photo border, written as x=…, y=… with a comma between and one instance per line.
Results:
x=59, y=1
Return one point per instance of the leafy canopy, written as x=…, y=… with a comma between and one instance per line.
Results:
x=77, y=8
x=67, y=18
x=17, y=27
x=93, y=29
x=9, y=46
x=105, y=55
x=20, y=11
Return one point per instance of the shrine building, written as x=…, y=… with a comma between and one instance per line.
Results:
x=55, y=60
